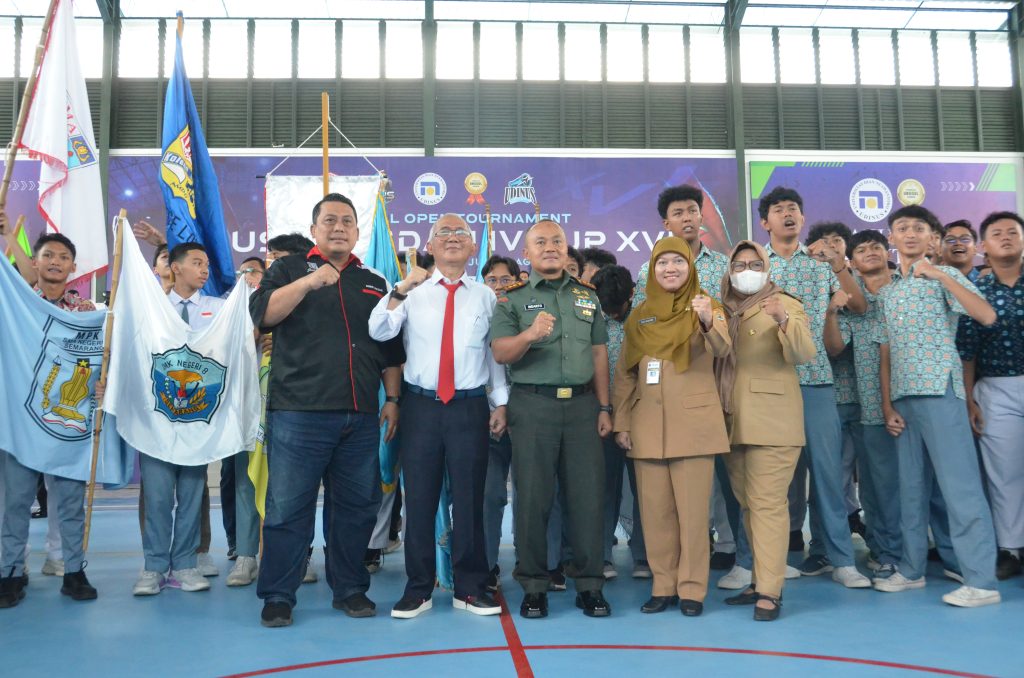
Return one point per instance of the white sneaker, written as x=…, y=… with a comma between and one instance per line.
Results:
x=968, y=596
x=244, y=571
x=149, y=584
x=897, y=582
x=737, y=578
x=204, y=563
x=53, y=568
x=310, y=577
x=953, y=574
x=792, y=572
x=190, y=579
x=609, y=571
x=849, y=577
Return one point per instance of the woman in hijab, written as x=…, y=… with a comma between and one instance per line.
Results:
x=668, y=417
x=760, y=393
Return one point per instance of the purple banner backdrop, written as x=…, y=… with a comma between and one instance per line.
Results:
x=862, y=194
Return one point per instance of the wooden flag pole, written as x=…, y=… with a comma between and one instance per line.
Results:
x=181, y=24
x=325, y=122
x=26, y=104
x=98, y=427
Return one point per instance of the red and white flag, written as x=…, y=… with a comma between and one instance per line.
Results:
x=58, y=131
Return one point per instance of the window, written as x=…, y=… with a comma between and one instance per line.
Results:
x=498, y=51
x=757, y=55
x=916, y=64
x=835, y=49
x=625, y=53
x=229, y=49
x=317, y=48
x=666, y=54
x=994, y=60
x=191, y=45
x=89, y=36
x=582, y=52
x=540, y=51
x=955, y=63
x=272, y=50
x=138, y=53
x=403, y=51
x=360, y=49
x=454, y=50
x=796, y=54
x=707, y=54
x=877, y=65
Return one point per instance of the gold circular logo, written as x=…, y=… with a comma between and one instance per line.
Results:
x=476, y=183
x=910, y=192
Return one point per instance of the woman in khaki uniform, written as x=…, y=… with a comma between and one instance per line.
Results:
x=668, y=417
x=764, y=411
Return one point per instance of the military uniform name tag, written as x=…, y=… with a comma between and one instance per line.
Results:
x=648, y=321
x=654, y=372
x=533, y=307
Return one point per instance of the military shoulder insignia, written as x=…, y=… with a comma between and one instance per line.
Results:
x=515, y=286
x=580, y=282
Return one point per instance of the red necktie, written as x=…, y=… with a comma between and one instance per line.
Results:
x=446, y=371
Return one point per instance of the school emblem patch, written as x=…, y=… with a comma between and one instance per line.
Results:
x=186, y=385
x=176, y=169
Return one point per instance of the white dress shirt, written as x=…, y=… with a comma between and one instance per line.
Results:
x=201, y=308
x=422, y=314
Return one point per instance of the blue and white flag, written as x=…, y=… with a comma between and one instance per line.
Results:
x=49, y=362
x=189, y=183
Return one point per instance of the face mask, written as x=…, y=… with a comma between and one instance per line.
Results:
x=749, y=282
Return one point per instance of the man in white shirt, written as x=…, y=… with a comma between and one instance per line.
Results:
x=445, y=412
x=170, y=535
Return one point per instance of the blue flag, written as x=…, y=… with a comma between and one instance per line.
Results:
x=189, y=183
x=484, y=252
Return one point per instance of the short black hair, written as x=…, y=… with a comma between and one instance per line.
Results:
x=861, y=237
x=999, y=216
x=961, y=223
x=823, y=228
x=497, y=260
x=918, y=212
x=181, y=250
x=575, y=254
x=263, y=264
x=777, y=195
x=292, y=243
x=676, y=194
x=425, y=260
x=334, y=197
x=614, y=286
x=160, y=249
x=598, y=257
x=57, y=238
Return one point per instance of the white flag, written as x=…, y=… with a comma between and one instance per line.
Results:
x=58, y=131
x=186, y=397
x=290, y=199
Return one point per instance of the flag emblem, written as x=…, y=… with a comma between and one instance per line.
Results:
x=59, y=401
x=176, y=169
x=186, y=385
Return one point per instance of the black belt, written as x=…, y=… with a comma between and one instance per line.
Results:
x=558, y=392
x=459, y=395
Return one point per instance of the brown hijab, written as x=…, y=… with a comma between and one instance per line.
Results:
x=736, y=305
x=664, y=323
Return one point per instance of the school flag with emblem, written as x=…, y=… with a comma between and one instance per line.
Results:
x=50, y=361
x=58, y=132
x=189, y=183
x=185, y=397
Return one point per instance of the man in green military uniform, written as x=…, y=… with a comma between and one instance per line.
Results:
x=551, y=333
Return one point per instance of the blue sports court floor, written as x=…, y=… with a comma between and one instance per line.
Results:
x=825, y=629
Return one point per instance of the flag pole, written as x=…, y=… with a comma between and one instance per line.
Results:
x=26, y=104
x=98, y=427
x=325, y=123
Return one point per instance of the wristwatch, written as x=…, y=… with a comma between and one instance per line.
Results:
x=396, y=295
x=605, y=408
x=392, y=399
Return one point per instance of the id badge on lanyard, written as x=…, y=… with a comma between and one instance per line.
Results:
x=654, y=372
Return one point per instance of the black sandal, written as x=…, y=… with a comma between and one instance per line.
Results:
x=768, y=614
x=747, y=597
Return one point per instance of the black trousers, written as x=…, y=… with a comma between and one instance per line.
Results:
x=436, y=437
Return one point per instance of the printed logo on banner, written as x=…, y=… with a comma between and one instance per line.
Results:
x=186, y=385
x=60, y=401
x=80, y=153
x=870, y=200
x=910, y=192
x=176, y=169
x=430, y=188
x=476, y=184
x=520, y=189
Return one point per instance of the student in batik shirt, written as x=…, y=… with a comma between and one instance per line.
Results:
x=923, y=397
x=960, y=247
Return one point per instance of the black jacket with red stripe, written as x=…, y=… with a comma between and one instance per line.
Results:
x=323, y=357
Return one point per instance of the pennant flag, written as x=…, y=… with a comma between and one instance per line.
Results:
x=21, y=237
x=50, y=361
x=189, y=184
x=486, y=248
x=58, y=132
x=186, y=397
x=259, y=470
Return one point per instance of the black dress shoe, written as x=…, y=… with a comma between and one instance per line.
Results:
x=691, y=608
x=12, y=590
x=748, y=597
x=593, y=604
x=657, y=604
x=768, y=614
x=1007, y=565
x=276, y=614
x=77, y=586
x=357, y=605
x=796, y=541
x=535, y=606
x=722, y=561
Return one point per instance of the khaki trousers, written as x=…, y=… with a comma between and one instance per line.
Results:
x=760, y=478
x=675, y=496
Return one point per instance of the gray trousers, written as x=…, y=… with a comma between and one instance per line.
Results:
x=247, y=520
x=1001, y=400
x=171, y=533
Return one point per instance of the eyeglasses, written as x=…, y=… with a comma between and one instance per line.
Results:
x=503, y=281
x=248, y=270
x=739, y=266
x=963, y=240
x=460, y=233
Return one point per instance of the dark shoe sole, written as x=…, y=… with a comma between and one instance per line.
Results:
x=761, y=614
x=276, y=622
x=533, y=614
x=79, y=595
x=12, y=602
x=597, y=613
x=356, y=614
x=691, y=608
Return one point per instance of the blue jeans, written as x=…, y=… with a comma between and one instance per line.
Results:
x=170, y=535
x=938, y=431
x=830, y=528
x=19, y=492
x=246, y=522
x=305, y=447
x=615, y=461
x=880, y=493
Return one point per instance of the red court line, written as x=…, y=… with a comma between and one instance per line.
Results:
x=515, y=645
x=661, y=648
